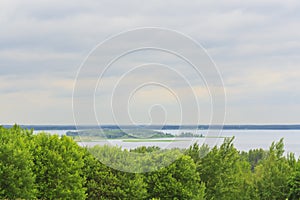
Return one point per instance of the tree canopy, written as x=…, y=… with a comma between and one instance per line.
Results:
x=44, y=166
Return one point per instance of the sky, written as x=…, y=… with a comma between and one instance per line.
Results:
x=255, y=45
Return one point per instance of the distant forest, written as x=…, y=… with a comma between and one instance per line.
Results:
x=165, y=127
x=44, y=166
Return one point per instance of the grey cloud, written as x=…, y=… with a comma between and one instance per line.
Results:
x=51, y=38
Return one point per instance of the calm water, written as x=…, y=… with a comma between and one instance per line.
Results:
x=244, y=139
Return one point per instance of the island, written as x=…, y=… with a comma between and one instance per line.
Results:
x=127, y=135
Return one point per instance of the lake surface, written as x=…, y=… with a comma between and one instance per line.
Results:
x=244, y=139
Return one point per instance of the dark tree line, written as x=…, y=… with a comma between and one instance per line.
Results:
x=44, y=166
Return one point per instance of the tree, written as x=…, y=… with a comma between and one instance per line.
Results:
x=222, y=172
x=133, y=185
x=254, y=156
x=180, y=180
x=294, y=183
x=196, y=152
x=16, y=175
x=272, y=174
x=58, y=163
x=44, y=166
x=103, y=182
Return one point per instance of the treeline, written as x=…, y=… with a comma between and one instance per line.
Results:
x=118, y=134
x=45, y=166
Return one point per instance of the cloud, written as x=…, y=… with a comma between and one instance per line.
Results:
x=256, y=45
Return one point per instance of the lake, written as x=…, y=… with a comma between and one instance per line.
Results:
x=244, y=139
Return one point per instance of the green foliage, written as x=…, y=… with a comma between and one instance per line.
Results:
x=47, y=166
x=180, y=180
x=222, y=172
x=196, y=152
x=272, y=174
x=294, y=183
x=189, y=134
x=144, y=149
x=103, y=182
x=133, y=185
x=117, y=134
x=57, y=165
x=254, y=157
x=16, y=174
x=134, y=161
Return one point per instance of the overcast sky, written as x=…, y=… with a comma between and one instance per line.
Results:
x=255, y=44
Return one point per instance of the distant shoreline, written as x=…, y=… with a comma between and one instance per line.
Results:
x=165, y=127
